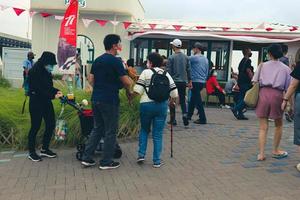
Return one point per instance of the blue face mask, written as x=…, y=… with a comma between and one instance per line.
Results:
x=50, y=68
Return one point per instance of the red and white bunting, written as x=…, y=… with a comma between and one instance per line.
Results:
x=32, y=13
x=87, y=22
x=177, y=27
x=247, y=29
x=58, y=17
x=294, y=28
x=126, y=24
x=18, y=11
x=101, y=22
x=3, y=7
x=45, y=15
x=115, y=23
x=269, y=29
x=201, y=27
x=152, y=26
x=225, y=28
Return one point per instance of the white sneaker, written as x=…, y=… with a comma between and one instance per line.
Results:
x=225, y=107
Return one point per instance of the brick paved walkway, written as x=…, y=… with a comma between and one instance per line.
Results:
x=214, y=161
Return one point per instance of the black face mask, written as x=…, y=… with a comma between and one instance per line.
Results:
x=250, y=55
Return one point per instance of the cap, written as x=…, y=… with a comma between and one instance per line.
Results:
x=30, y=53
x=48, y=58
x=198, y=45
x=177, y=43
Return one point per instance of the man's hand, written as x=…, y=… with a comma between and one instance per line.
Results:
x=172, y=102
x=283, y=105
x=190, y=85
x=59, y=94
x=130, y=96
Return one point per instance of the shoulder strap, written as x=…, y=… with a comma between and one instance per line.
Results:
x=165, y=73
x=153, y=70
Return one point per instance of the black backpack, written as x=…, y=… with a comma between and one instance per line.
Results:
x=159, y=88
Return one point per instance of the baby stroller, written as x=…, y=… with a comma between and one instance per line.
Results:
x=87, y=123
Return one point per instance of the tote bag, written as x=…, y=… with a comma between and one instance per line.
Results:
x=251, y=97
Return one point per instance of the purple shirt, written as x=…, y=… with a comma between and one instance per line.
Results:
x=273, y=74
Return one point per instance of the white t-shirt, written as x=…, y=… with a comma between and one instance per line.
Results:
x=144, y=81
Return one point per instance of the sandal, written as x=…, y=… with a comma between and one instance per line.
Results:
x=280, y=156
x=261, y=158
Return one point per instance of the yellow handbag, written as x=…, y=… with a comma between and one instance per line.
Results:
x=251, y=97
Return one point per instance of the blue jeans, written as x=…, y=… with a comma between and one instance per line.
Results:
x=155, y=114
x=241, y=103
x=196, y=101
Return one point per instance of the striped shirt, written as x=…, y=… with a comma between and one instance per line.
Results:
x=144, y=82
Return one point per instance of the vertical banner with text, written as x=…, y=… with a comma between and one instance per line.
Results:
x=66, y=54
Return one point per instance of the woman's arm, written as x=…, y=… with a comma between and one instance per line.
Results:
x=291, y=90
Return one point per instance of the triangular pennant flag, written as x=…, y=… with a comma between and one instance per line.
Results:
x=294, y=28
x=101, y=22
x=87, y=22
x=152, y=26
x=3, y=7
x=44, y=14
x=31, y=13
x=177, y=27
x=115, y=23
x=261, y=26
x=248, y=29
x=269, y=29
x=18, y=11
x=225, y=28
x=126, y=24
x=58, y=17
x=200, y=27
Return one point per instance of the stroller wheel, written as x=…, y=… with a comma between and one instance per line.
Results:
x=118, y=153
x=80, y=147
x=79, y=156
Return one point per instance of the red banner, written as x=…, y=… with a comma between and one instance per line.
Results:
x=66, y=54
x=18, y=11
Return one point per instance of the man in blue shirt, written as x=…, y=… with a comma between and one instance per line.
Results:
x=27, y=65
x=107, y=77
x=199, y=73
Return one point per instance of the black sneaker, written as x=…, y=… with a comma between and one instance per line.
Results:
x=48, y=153
x=140, y=160
x=198, y=121
x=242, y=117
x=174, y=123
x=34, y=157
x=185, y=121
x=158, y=165
x=234, y=113
x=112, y=165
x=88, y=163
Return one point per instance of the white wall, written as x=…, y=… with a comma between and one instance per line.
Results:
x=45, y=33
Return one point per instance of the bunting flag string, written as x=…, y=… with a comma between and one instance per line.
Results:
x=101, y=22
x=177, y=27
x=140, y=26
x=3, y=7
x=127, y=24
x=87, y=22
x=18, y=11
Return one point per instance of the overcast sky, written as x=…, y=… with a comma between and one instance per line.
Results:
x=281, y=11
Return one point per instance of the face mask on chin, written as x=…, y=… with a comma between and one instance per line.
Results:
x=50, y=68
x=250, y=55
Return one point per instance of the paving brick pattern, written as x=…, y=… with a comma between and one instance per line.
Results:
x=216, y=161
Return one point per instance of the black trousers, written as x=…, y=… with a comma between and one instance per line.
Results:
x=196, y=101
x=181, y=87
x=40, y=109
x=220, y=96
x=106, y=121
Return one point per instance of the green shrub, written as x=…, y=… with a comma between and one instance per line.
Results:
x=4, y=83
x=11, y=102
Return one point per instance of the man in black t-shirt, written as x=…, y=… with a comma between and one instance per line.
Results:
x=107, y=77
x=244, y=83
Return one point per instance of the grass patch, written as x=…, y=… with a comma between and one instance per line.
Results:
x=11, y=102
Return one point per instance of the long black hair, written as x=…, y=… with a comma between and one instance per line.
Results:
x=47, y=58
